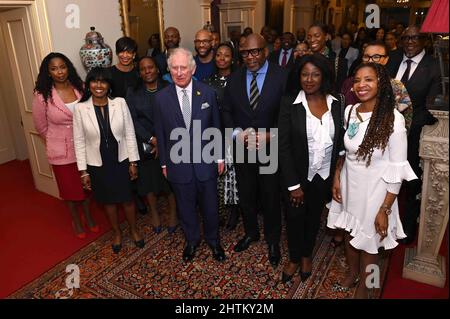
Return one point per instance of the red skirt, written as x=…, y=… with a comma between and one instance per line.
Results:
x=69, y=182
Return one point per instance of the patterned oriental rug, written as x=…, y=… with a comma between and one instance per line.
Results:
x=158, y=272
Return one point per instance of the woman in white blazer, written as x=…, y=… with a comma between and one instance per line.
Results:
x=106, y=151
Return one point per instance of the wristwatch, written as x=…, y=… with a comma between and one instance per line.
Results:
x=387, y=209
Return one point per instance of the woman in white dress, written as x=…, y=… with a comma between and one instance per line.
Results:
x=368, y=179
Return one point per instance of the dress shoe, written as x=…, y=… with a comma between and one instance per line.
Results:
x=189, y=252
x=288, y=277
x=244, y=243
x=116, y=248
x=274, y=255
x=139, y=243
x=218, y=253
x=172, y=229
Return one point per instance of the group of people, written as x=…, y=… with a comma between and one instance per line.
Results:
x=114, y=135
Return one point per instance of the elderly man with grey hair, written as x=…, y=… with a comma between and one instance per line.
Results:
x=183, y=110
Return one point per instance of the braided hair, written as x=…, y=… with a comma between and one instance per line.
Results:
x=44, y=82
x=381, y=124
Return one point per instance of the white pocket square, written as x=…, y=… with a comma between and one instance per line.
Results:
x=205, y=105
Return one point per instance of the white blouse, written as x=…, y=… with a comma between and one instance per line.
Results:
x=320, y=134
x=71, y=106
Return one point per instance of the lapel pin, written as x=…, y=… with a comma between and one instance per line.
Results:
x=198, y=93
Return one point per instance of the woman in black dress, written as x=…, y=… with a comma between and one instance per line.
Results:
x=151, y=181
x=227, y=188
x=106, y=151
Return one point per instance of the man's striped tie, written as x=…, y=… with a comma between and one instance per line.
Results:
x=254, y=92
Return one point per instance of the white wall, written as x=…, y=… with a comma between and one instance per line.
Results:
x=102, y=14
x=186, y=16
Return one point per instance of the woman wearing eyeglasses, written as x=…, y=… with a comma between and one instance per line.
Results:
x=368, y=179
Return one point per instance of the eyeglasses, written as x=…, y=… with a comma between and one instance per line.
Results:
x=254, y=52
x=374, y=58
x=413, y=38
x=202, y=41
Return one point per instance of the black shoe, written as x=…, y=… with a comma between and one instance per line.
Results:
x=189, y=252
x=288, y=277
x=218, y=252
x=116, y=248
x=244, y=243
x=304, y=275
x=139, y=243
x=274, y=255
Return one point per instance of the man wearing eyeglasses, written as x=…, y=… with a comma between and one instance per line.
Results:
x=251, y=103
x=419, y=72
x=204, y=59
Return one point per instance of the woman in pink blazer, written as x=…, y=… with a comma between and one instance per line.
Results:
x=58, y=89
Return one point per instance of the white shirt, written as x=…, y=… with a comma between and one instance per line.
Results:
x=416, y=60
x=180, y=95
x=320, y=134
x=71, y=106
x=288, y=56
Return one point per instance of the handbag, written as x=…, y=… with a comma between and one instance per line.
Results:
x=146, y=150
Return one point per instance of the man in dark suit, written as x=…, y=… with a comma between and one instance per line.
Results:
x=171, y=41
x=285, y=56
x=184, y=110
x=420, y=74
x=252, y=101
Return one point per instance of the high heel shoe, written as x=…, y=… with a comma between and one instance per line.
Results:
x=139, y=243
x=94, y=229
x=337, y=287
x=285, y=278
x=157, y=229
x=172, y=229
x=81, y=235
x=116, y=248
x=304, y=275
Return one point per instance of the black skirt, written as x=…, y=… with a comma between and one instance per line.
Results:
x=150, y=178
x=110, y=182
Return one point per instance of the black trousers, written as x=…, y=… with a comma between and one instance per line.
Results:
x=259, y=190
x=303, y=222
x=414, y=187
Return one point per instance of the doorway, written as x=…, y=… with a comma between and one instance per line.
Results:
x=25, y=38
x=275, y=15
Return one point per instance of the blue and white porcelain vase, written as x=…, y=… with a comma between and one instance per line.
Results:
x=95, y=52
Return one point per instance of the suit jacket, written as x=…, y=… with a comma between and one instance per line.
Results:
x=141, y=104
x=423, y=85
x=351, y=56
x=161, y=63
x=274, y=57
x=293, y=141
x=236, y=110
x=168, y=116
x=86, y=133
x=53, y=121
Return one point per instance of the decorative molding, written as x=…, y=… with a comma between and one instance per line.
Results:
x=423, y=263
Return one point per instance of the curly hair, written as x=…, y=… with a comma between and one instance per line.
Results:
x=44, y=82
x=381, y=124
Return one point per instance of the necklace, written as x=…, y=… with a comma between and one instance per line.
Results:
x=353, y=128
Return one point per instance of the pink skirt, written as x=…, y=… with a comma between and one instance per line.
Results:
x=69, y=182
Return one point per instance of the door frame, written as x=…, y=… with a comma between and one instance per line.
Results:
x=40, y=28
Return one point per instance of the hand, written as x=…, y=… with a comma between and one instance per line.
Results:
x=154, y=143
x=86, y=182
x=336, y=188
x=132, y=169
x=221, y=168
x=262, y=139
x=381, y=223
x=296, y=197
x=248, y=138
x=164, y=171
